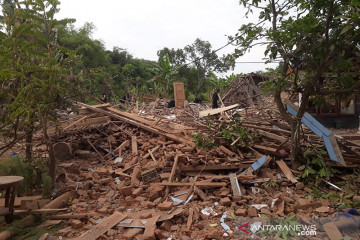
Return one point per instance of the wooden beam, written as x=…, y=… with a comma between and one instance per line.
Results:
x=122, y=146
x=152, y=156
x=99, y=229
x=176, y=159
x=227, y=151
x=212, y=168
x=134, y=146
x=216, y=110
x=152, y=151
x=200, y=193
x=198, y=184
x=95, y=150
x=272, y=136
x=285, y=169
x=190, y=218
x=235, y=186
x=140, y=122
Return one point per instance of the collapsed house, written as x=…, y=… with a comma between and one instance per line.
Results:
x=245, y=90
x=141, y=176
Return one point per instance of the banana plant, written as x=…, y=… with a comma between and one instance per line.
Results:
x=165, y=75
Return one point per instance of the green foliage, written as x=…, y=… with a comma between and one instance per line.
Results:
x=218, y=83
x=165, y=75
x=46, y=185
x=315, y=167
x=283, y=233
x=271, y=183
x=34, y=174
x=203, y=142
x=234, y=130
x=35, y=77
x=32, y=232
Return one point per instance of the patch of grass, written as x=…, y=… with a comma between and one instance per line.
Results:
x=32, y=232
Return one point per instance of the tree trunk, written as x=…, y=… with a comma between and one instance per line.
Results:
x=29, y=142
x=295, y=142
x=50, y=147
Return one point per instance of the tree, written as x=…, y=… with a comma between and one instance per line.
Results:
x=35, y=77
x=205, y=60
x=165, y=75
x=176, y=57
x=316, y=40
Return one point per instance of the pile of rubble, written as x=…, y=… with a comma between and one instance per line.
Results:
x=140, y=176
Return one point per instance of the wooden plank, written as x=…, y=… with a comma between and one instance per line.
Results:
x=198, y=184
x=69, y=216
x=134, y=146
x=172, y=174
x=272, y=136
x=200, y=193
x=332, y=231
x=89, y=122
x=102, y=158
x=235, y=186
x=122, y=146
x=190, y=218
x=72, y=124
x=216, y=110
x=99, y=229
x=176, y=159
x=285, y=169
x=39, y=211
x=18, y=200
x=223, y=105
x=265, y=149
x=152, y=151
x=141, y=123
x=227, y=151
x=150, y=228
x=152, y=156
x=179, y=94
x=212, y=168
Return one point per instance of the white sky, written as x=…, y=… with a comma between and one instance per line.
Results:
x=145, y=26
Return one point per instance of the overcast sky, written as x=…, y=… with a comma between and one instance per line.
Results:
x=145, y=26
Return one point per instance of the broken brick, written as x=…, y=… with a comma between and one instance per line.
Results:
x=76, y=224
x=126, y=191
x=137, y=192
x=165, y=206
x=166, y=225
x=241, y=212
x=105, y=181
x=252, y=212
x=131, y=233
x=225, y=201
x=159, y=234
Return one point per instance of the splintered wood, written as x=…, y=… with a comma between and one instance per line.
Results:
x=140, y=175
x=98, y=230
x=284, y=168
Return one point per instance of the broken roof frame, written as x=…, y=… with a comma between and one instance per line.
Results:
x=314, y=125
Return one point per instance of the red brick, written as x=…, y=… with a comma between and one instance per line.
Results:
x=137, y=192
x=252, y=212
x=105, y=180
x=131, y=233
x=76, y=224
x=165, y=206
x=166, y=225
x=240, y=212
x=159, y=234
x=225, y=202
x=126, y=191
